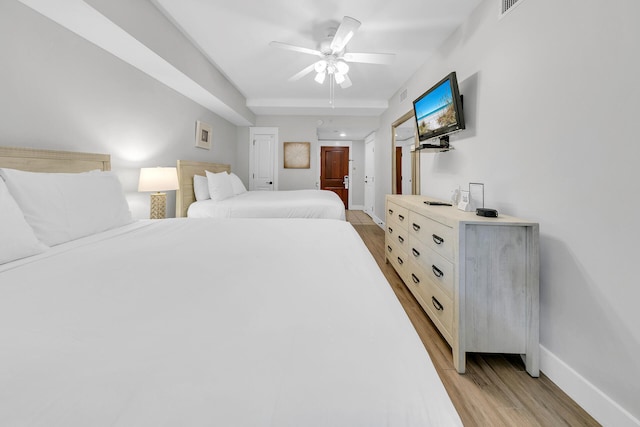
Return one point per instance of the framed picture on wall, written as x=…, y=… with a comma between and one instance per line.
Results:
x=297, y=155
x=204, y=134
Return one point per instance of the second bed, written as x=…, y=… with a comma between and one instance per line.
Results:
x=319, y=204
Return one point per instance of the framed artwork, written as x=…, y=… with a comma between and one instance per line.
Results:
x=204, y=134
x=297, y=155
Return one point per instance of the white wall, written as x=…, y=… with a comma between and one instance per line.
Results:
x=551, y=99
x=294, y=129
x=304, y=129
x=144, y=21
x=59, y=91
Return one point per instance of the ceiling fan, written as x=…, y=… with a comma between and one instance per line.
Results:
x=333, y=62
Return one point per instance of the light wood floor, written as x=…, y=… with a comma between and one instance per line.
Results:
x=495, y=390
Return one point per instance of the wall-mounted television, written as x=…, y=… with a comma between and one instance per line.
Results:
x=438, y=111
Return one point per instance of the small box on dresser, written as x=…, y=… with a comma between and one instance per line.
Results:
x=477, y=278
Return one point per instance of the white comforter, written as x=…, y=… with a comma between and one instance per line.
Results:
x=272, y=204
x=212, y=323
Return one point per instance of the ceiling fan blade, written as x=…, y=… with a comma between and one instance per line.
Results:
x=370, y=58
x=302, y=73
x=286, y=46
x=345, y=31
x=346, y=83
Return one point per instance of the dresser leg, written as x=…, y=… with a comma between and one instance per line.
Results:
x=532, y=362
x=459, y=359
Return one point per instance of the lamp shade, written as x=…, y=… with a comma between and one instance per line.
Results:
x=158, y=179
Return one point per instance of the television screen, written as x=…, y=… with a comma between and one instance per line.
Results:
x=439, y=110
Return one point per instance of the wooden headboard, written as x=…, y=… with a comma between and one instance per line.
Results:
x=36, y=160
x=186, y=170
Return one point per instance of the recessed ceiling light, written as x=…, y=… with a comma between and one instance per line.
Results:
x=343, y=134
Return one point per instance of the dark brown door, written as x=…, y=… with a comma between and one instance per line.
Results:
x=334, y=167
x=398, y=170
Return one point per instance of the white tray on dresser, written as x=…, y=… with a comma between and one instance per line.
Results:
x=477, y=278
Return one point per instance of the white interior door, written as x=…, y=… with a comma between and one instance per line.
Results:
x=369, y=179
x=262, y=160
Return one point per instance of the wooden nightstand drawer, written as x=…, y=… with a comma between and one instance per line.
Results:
x=435, y=235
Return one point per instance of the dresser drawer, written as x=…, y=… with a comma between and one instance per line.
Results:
x=398, y=213
x=437, y=304
x=435, y=235
x=397, y=257
x=436, y=268
x=398, y=234
x=440, y=307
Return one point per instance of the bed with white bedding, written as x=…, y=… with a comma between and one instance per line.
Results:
x=206, y=191
x=262, y=322
x=272, y=204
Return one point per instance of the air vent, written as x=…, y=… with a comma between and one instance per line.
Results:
x=507, y=6
x=403, y=95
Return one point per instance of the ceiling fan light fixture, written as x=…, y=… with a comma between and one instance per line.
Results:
x=320, y=77
x=339, y=78
x=342, y=67
x=321, y=66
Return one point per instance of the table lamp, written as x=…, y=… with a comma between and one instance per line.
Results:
x=158, y=179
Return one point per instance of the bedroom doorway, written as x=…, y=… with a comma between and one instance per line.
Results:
x=335, y=171
x=369, y=171
x=263, y=153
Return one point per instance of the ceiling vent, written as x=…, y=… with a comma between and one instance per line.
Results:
x=507, y=6
x=403, y=95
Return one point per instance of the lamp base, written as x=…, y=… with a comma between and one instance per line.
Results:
x=158, y=206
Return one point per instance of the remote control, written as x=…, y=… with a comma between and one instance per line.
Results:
x=433, y=203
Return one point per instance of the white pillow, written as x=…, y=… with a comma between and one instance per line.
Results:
x=18, y=240
x=236, y=184
x=219, y=186
x=66, y=206
x=201, y=187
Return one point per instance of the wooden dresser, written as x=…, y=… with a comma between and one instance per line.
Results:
x=476, y=278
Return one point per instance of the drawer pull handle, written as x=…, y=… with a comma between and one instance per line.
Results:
x=436, y=304
x=415, y=252
x=390, y=230
x=401, y=217
x=400, y=261
x=401, y=239
x=437, y=271
x=416, y=227
x=415, y=279
x=389, y=248
x=390, y=211
x=439, y=240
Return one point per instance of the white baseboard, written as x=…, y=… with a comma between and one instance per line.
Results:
x=600, y=406
x=374, y=218
x=356, y=208
x=378, y=221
